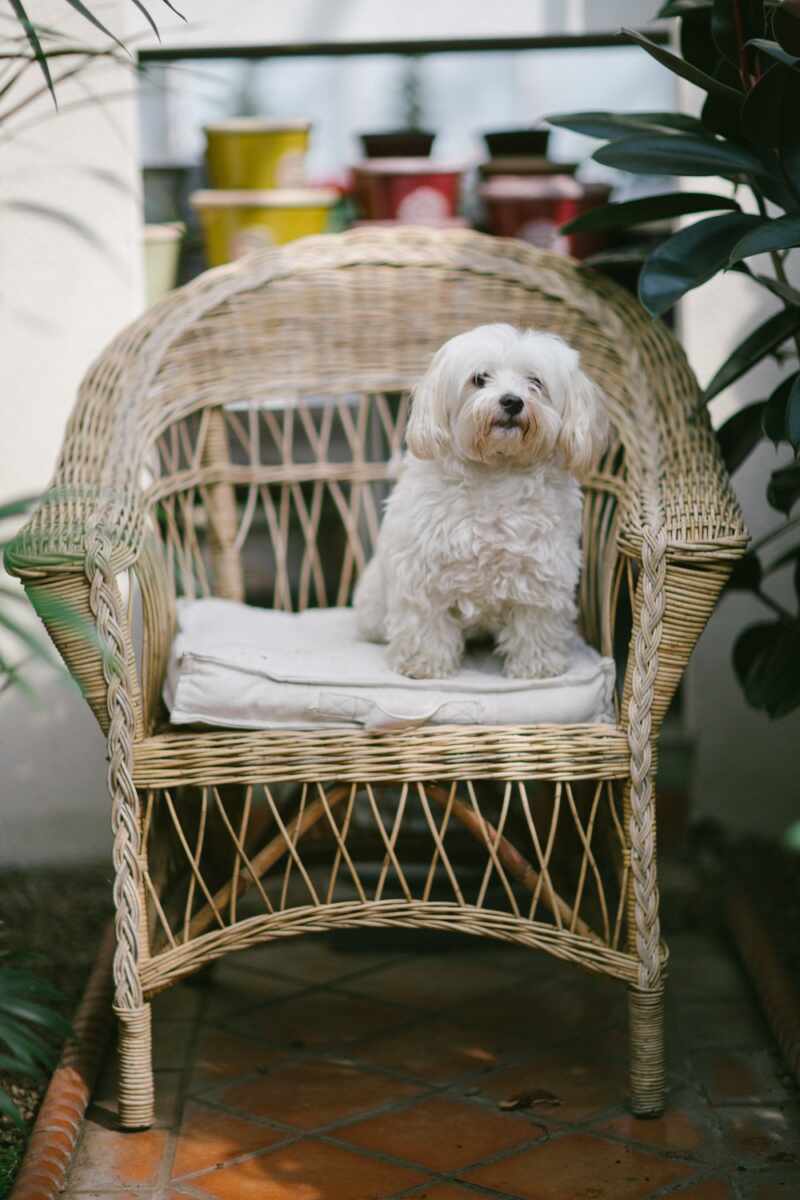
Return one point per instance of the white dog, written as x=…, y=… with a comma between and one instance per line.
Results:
x=482, y=532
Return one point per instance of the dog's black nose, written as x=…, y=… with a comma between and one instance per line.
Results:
x=511, y=404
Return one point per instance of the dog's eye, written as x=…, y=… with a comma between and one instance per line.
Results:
x=480, y=379
x=535, y=381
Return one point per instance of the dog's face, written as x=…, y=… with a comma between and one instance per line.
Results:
x=503, y=397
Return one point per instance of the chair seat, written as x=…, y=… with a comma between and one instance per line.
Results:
x=238, y=667
x=199, y=757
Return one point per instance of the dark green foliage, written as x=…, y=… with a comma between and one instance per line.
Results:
x=649, y=208
x=740, y=434
x=31, y=1027
x=31, y=32
x=689, y=258
x=745, y=55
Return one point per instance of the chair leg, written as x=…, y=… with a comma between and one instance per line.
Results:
x=646, y=1049
x=135, y=1089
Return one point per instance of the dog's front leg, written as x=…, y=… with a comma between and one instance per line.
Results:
x=423, y=643
x=535, y=640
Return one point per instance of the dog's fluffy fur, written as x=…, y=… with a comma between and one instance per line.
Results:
x=481, y=533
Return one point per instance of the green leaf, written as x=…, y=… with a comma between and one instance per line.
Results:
x=21, y=981
x=679, y=66
x=14, y=508
x=649, y=208
x=793, y=416
x=783, y=488
x=696, y=44
x=723, y=117
x=679, y=8
x=761, y=109
x=36, y=1014
x=781, y=233
x=769, y=115
x=773, y=50
x=35, y=44
x=50, y=609
x=782, y=413
x=678, y=154
x=740, y=434
x=750, y=646
x=689, y=258
x=602, y=124
x=757, y=345
x=27, y=638
x=732, y=25
x=769, y=120
x=746, y=575
x=93, y=20
x=30, y=1050
x=767, y=662
x=9, y=1063
x=786, y=28
x=9, y=1109
x=618, y=256
x=138, y=4
x=776, y=286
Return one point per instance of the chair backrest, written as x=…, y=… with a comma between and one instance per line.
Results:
x=281, y=394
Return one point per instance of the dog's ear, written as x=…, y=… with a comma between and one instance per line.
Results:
x=428, y=432
x=584, y=423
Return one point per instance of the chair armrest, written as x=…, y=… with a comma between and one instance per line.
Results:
x=685, y=489
x=87, y=529
x=72, y=520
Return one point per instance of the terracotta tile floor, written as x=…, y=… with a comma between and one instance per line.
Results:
x=371, y=1065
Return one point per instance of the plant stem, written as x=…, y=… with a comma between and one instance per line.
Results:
x=744, y=69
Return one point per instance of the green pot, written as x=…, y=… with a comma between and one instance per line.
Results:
x=162, y=251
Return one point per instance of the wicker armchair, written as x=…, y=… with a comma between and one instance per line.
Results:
x=236, y=440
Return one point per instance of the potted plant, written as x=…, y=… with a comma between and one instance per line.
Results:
x=410, y=141
x=746, y=58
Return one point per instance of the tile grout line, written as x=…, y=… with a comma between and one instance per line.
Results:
x=187, y=1069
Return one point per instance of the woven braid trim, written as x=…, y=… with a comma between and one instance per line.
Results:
x=124, y=798
x=642, y=815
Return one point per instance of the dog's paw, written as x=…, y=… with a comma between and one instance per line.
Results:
x=536, y=666
x=418, y=664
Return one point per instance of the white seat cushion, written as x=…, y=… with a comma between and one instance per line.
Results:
x=252, y=668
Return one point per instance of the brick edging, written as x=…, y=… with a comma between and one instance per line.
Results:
x=776, y=990
x=55, y=1132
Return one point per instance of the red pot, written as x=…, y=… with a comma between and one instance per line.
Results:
x=415, y=191
x=535, y=208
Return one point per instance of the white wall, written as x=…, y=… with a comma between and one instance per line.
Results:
x=61, y=300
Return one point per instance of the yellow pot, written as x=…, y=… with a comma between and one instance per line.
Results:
x=162, y=249
x=237, y=222
x=249, y=152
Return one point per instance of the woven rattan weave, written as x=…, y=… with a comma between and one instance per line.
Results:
x=238, y=440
